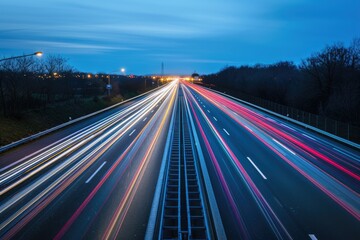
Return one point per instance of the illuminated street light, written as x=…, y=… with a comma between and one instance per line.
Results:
x=122, y=70
x=39, y=54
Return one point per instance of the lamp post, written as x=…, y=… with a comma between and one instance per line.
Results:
x=108, y=87
x=22, y=56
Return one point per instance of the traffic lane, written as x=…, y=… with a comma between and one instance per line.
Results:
x=28, y=148
x=316, y=207
x=345, y=153
x=340, y=149
x=347, y=174
x=24, y=150
x=87, y=173
x=87, y=139
x=131, y=223
x=310, y=208
x=109, y=221
x=334, y=157
x=73, y=141
x=240, y=214
x=342, y=157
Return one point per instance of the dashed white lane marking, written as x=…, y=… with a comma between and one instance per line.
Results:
x=97, y=170
x=215, y=118
x=312, y=237
x=144, y=119
x=263, y=176
x=226, y=131
x=132, y=132
x=208, y=111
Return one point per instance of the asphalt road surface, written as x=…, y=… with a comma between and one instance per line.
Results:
x=96, y=179
x=274, y=180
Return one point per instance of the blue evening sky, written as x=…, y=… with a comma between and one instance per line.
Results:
x=187, y=35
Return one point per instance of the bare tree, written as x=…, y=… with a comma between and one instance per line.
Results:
x=54, y=65
x=327, y=69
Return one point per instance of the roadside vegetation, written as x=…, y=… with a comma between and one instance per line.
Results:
x=36, y=94
x=327, y=83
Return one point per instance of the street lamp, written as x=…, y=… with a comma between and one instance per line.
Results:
x=108, y=86
x=39, y=54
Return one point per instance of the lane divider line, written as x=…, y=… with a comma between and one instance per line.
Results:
x=312, y=237
x=132, y=132
x=93, y=175
x=257, y=169
x=226, y=132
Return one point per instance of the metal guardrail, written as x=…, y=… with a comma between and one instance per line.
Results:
x=337, y=138
x=53, y=129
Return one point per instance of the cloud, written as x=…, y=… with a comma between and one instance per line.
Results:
x=66, y=47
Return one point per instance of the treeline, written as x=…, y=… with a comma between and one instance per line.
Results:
x=326, y=83
x=28, y=83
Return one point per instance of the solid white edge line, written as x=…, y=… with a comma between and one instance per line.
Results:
x=97, y=170
x=226, y=132
x=312, y=237
x=263, y=176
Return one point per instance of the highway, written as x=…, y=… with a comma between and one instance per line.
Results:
x=277, y=181
x=82, y=185
x=259, y=177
